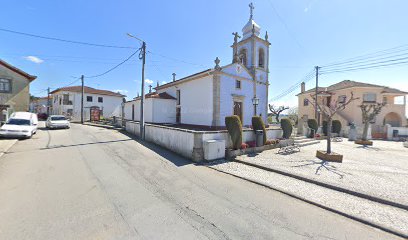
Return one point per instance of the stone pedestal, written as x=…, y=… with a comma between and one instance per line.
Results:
x=352, y=136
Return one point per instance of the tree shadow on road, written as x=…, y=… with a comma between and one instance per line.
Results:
x=174, y=158
x=322, y=165
x=370, y=148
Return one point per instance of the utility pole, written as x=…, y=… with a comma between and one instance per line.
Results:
x=316, y=92
x=142, y=122
x=82, y=99
x=48, y=101
x=142, y=56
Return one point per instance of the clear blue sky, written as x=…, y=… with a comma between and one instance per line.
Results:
x=303, y=33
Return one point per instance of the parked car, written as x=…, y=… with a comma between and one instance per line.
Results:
x=20, y=125
x=57, y=121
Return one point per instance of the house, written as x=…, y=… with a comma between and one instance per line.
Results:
x=67, y=101
x=39, y=105
x=14, y=90
x=393, y=113
x=205, y=98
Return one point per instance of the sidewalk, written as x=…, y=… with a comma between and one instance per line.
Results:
x=385, y=217
x=6, y=144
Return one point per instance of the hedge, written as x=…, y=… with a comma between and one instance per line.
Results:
x=234, y=127
x=258, y=124
x=286, y=126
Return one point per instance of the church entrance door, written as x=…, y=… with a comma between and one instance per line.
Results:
x=238, y=110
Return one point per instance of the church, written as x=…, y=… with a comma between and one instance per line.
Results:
x=207, y=97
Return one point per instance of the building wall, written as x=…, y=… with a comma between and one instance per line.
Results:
x=352, y=113
x=155, y=110
x=196, y=100
x=110, y=105
x=19, y=98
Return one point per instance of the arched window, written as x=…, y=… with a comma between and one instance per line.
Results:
x=243, y=56
x=261, y=58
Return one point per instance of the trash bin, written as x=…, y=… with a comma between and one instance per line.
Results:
x=259, y=138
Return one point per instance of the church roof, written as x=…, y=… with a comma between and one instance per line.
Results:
x=247, y=29
x=183, y=79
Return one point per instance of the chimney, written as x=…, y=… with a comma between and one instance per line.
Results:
x=302, y=87
x=174, y=77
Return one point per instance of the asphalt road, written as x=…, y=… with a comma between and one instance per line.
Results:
x=94, y=183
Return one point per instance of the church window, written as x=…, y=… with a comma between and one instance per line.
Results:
x=237, y=84
x=243, y=56
x=261, y=58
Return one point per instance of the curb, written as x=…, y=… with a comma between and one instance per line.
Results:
x=14, y=141
x=102, y=126
x=361, y=220
x=330, y=186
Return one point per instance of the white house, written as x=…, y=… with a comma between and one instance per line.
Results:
x=67, y=101
x=206, y=98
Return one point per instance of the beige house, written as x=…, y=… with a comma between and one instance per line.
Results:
x=392, y=113
x=14, y=90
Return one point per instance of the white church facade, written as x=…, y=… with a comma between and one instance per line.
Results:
x=206, y=98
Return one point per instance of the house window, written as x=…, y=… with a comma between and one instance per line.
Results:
x=384, y=100
x=89, y=98
x=178, y=97
x=5, y=85
x=100, y=99
x=305, y=102
x=369, y=97
x=342, y=99
x=60, y=101
x=243, y=56
x=261, y=58
x=65, y=99
x=237, y=84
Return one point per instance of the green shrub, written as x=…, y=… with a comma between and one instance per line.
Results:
x=258, y=124
x=324, y=126
x=286, y=126
x=312, y=123
x=336, y=126
x=234, y=127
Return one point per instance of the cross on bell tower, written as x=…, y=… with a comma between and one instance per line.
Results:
x=251, y=10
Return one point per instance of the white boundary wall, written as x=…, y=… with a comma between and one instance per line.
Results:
x=189, y=143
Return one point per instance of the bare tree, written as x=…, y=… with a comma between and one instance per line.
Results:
x=329, y=110
x=369, y=111
x=277, y=111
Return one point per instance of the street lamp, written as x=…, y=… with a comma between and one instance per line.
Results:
x=255, y=102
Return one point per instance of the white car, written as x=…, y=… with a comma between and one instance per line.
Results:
x=20, y=125
x=57, y=121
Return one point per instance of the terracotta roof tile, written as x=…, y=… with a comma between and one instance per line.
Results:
x=88, y=90
x=17, y=70
x=349, y=84
x=163, y=95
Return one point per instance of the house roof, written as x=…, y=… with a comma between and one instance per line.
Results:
x=88, y=90
x=350, y=84
x=163, y=95
x=17, y=70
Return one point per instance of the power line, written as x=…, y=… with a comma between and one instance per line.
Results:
x=64, y=40
x=369, y=64
x=175, y=59
x=362, y=68
x=369, y=61
x=292, y=88
x=370, y=55
x=110, y=70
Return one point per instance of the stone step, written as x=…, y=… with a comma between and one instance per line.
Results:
x=299, y=137
x=309, y=143
x=303, y=140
